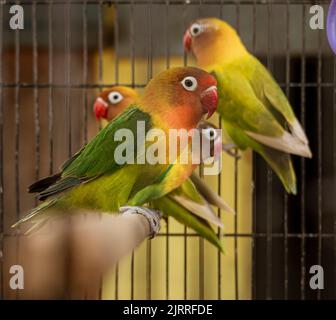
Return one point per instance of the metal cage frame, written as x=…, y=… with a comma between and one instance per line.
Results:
x=267, y=235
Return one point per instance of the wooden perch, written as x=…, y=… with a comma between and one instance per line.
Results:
x=65, y=259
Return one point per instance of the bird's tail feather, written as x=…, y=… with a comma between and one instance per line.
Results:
x=286, y=143
x=209, y=195
x=282, y=165
x=43, y=184
x=35, y=212
x=169, y=207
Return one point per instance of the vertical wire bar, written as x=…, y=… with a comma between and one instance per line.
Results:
x=50, y=89
x=116, y=75
x=132, y=56
x=185, y=237
x=303, y=163
x=17, y=139
x=36, y=94
x=236, y=227
x=254, y=218
x=100, y=42
x=116, y=42
x=236, y=175
x=285, y=216
x=149, y=76
x=1, y=159
x=167, y=223
x=219, y=253
x=68, y=75
x=100, y=80
x=269, y=175
x=85, y=71
x=320, y=150
x=17, y=121
x=201, y=239
x=132, y=45
x=219, y=211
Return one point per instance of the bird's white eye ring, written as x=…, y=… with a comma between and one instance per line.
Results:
x=210, y=133
x=195, y=29
x=115, y=97
x=189, y=83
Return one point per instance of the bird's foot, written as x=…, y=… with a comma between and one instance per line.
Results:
x=231, y=149
x=153, y=217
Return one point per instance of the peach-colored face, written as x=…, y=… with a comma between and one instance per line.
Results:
x=201, y=34
x=212, y=41
x=181, y=96
x=112, y=102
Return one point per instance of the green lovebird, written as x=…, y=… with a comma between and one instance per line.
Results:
x=256, y=113
x=94, y=178
x=190, y=203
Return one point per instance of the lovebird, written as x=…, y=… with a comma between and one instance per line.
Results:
x=95, y=179
x=194, y=196
x=111, y=102
x=256, y=113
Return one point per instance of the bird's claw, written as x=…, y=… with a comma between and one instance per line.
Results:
x=153, y=217
x=230, y=149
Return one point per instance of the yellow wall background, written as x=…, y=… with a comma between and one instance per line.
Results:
x=118, y=285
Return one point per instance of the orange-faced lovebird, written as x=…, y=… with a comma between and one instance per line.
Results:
x=194, y=196
x=256, y=113
x=101, y=177
x=111, y=102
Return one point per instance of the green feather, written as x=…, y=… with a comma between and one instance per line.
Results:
x=169, y=207
x=256, y=114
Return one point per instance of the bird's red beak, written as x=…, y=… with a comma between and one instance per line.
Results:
x=187, y=40
x=209, y=100
x=100, y=108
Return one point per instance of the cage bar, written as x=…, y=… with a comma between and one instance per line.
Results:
x=285, y=211
x=132, y=58
x=269, y=220
x=319, y=155
x=50, y=88
x=167, y=219
x=2, y=214
x=303, y=171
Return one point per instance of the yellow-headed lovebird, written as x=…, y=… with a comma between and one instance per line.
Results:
x=194, y=196
x=95, y=179
x=255, y=111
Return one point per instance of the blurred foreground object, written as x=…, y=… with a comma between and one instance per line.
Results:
x=331, y=25
x=66, y=257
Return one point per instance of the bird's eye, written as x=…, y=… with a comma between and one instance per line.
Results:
x=195, y=29
x=115, y=97
x=189, y=83
x=210, y=133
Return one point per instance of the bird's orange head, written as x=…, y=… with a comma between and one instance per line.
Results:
x=180, y=97
x=113, y=101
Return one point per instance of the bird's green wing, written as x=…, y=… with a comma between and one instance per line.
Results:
x=98, y=156
x=275, y=99
x=172, y=178
x=248, y=96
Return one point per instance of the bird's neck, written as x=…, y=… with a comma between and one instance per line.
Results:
x=219, y=53
x=166, y=116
